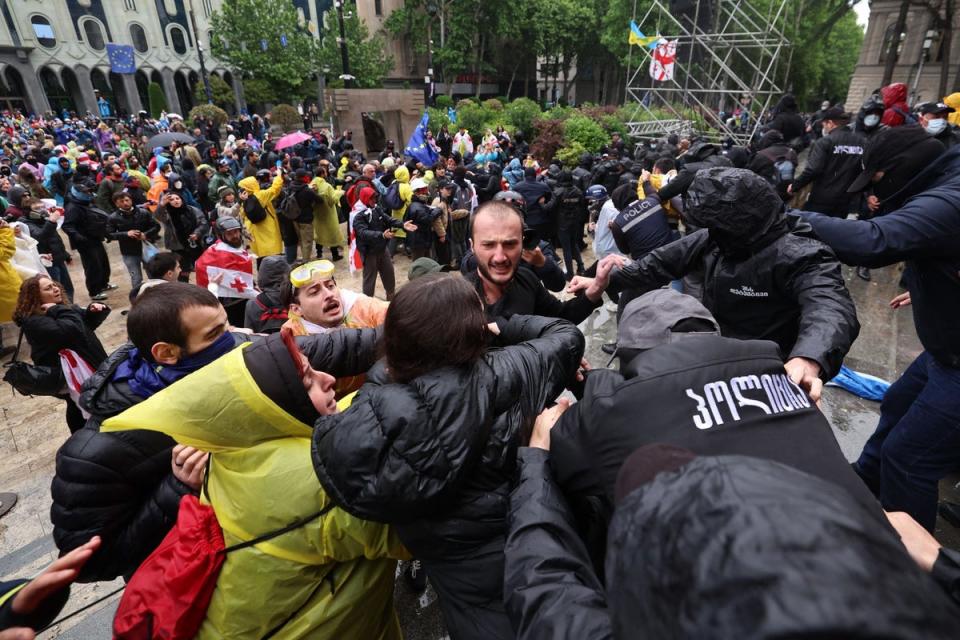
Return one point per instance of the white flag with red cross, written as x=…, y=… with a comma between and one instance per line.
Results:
x=235, y=284
x=663, y=59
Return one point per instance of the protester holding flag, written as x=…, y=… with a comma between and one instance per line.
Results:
x=226, y=269
x=372, y=229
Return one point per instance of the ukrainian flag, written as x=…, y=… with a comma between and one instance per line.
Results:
x=637, y=37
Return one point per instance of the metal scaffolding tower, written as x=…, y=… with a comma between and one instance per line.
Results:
x=727, y=55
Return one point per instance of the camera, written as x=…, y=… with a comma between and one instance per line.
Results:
x=531, y=239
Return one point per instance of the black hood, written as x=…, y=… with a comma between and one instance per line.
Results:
x=738, y=547
x=272, y=368
x=736, y=205
x=272, y=272
x=700, y=151
x=787, y=104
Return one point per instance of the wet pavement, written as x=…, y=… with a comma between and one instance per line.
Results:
x=31, y=430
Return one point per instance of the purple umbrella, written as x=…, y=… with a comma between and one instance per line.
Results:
x=292, y=139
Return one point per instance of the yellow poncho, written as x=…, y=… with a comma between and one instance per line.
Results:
x=265, y=234
x=331, y=579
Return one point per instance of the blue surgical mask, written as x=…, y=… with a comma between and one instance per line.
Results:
x=935, y=127
x=871, y=120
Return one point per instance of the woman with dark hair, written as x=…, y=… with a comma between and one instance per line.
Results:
x=183, y=230
x=50, y=323
x=429, y=443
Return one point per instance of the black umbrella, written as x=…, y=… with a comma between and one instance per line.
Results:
x=165, y=139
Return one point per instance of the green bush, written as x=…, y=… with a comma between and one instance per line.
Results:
x=570, y=155
x=157, y=99
x=474, y=117
x=438, y=118
x=560, y=112
x=286, y=117
x=493, y=105
x=611, y=124
x=521, y=113
x=443, y=102
x=211, y=111
x=589, y=134
x=466, y=102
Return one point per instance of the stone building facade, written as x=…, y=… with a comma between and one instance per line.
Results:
x=918, y=66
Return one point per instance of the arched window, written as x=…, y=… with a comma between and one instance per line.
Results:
x=139, y=37
x=43, y=31
x=93, y=34
x=891, y=44
x=178, y=39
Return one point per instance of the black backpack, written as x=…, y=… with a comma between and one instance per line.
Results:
x=95, y=223
x=289, y=208
x=253, y=210
x=392, y=199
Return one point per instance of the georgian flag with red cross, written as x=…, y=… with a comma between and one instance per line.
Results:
x=236, y=267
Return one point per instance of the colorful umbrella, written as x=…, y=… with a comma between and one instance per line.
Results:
x=291, y=139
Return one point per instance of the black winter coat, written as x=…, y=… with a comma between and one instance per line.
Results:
x=423, y=216
x=138, y=219
x=306, y=198
x=65, y=326
x=571, y=207
x=742, y=567
x=538, y=215
x=783, y=287
x=923, y=228
x=526, y=295
x=437, y=457
x=832, y=166
x=701, y=155
x=369, y=226
x=83, y=223
x=119, y=485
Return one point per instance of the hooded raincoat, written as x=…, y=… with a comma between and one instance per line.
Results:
x=402, y=176
x=330, y=579
x=265, y=234
x=9, y=279
x=326, y=224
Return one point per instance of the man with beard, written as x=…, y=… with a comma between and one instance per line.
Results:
x=917, y=441
x=761, y=279
x=226, y=268
x=497, y=240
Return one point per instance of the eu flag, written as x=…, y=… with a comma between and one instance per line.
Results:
x=121, y=58
x=418, y=147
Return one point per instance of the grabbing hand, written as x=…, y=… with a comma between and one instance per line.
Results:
x=544, y=423
x=873, y=203
x=582, y=370
x=388, y=234
x=409, y=226
x=805, y=373
x=46, y=307
x=902, y=300
x=136, y=235
x=96, y=307
x=534, y=257
x=55, y=577
x=188, y=465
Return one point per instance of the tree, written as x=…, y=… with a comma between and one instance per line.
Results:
x=368, y=62
x=208, y=112
x=222, y=93
x=286, y=117
x=156, y=99
x=258, y=91
x=893, y=46
x=263, y=38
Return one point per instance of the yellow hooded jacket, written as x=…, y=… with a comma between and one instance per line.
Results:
x=265, y=235
x=9, y=278
x=331, y=579
x=326, y=224
x=953, y=100
x=402, y=176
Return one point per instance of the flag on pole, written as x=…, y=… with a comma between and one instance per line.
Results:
x=354, y=259
x=418, y=148
x=662, y=61
x=121, y=58
x=637, y=37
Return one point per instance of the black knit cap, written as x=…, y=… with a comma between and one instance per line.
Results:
x=273, y=369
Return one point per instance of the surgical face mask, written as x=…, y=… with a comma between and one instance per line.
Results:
x=935, y=127
x=871, y=120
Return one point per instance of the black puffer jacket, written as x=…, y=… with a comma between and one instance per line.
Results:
x=761, y=279
x=832, y=166
x=137, y=219
x=119, y=485
x=437, y=457
x=48, y=240
x=742, y=567
x=65, y=326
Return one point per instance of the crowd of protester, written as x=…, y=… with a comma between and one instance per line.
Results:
x=267, y=445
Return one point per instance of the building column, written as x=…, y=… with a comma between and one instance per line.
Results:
x=87, y=95
x=238, y=98
x=35, y=97
x=130, y=92
x=170, y=89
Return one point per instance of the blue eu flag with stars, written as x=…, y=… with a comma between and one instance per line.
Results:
x=121, y=58
x=418, y=147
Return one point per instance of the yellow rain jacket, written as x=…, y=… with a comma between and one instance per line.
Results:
x=326, y=225
x=331, y=579
x=265, y=235
x=402, y=176
x=9, y=278
x=953, y=100
x=657, y=182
